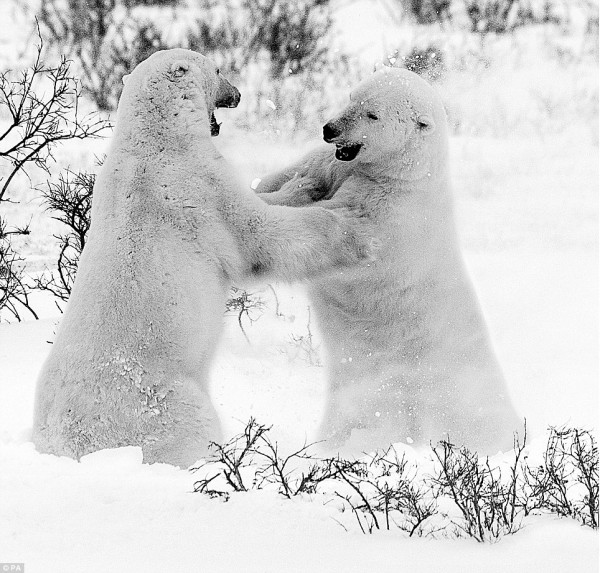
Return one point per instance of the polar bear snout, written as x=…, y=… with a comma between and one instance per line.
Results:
x=331, y=131
x=227, y=94
x=344, y=150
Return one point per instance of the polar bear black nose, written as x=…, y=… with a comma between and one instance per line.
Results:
x=330, y=132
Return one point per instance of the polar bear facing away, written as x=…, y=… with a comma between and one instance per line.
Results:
x=170, y=230
x=408, y=349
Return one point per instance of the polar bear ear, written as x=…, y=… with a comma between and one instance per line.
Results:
x=179, y=68
x=125, y=78
x=426, y=123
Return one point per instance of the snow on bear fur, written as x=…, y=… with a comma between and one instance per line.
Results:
x=171, y=229
x=409, y=354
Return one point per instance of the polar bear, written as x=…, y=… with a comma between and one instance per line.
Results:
x=409, y=353
x=171, y=229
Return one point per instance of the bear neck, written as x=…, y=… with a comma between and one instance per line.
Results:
x=157, y=127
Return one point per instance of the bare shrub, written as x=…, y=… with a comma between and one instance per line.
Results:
x=278, y=469
x=42, y=110
x=399, y=496
x=286, y=34
x=244, y=304
x=483, y=16
x=428, y=11
x=384, y=491
x=70, y=202
x=487, y=500
x=108, y=38
x=290, y=32
x=37, y=123
x=229, y=461
x=305, y=344
x=14, y=288
x=566, y=483
x=105, y=40
x=254, y=449
x=355, y=474
x=496, y=16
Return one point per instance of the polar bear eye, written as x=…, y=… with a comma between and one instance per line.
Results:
x=218, y=71
x=425, y=123
x=371, y=115
x=179, y=69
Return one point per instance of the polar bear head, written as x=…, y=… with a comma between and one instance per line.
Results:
x=173, y=83
x=394, y=116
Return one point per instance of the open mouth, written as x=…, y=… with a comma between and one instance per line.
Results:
x=214, y=125
x=347, y=152
x=230, y=101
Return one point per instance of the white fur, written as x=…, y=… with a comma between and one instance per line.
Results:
x=409, y=353
x=170, y=230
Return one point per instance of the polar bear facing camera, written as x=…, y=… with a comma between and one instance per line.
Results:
x=171, y=229
x=409, y=355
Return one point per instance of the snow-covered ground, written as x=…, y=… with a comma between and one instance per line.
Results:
x=527, y=204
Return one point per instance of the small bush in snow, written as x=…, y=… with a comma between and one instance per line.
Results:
x=70, y=202
x=229, y=462
x=244, y=304
x=457, y=493
x=428, y=11
x=251, y=460
x=14, y=288
x=290, y=481
x=482, y=16
x=566, y=482
x=383, y=493
x=287, y=35
x=40, y=109
x=488, y=502
x=501, y=16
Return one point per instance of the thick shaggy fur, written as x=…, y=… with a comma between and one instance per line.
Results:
x=170, y=230
x=408, y=350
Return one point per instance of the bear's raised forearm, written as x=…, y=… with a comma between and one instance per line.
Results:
x=304, y=242
x=316, y=165
x=288, y=243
